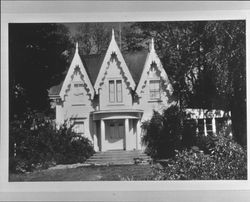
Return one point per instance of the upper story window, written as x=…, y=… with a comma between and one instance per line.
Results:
x=78, y=88
x=154, y=89
x=115, y=91
x=78, y=85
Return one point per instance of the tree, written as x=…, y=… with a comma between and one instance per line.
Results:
x=228, y=60
x=178, y=46
x=93, y=38
x=37, y=59
x=205, y=62
x=162, y=133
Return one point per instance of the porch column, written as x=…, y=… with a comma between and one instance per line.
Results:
x=205, y=126
x=95, y=137
x=59, y=116
x=138, y=135
x=102, y=135
x=197, y=127
x=214, y=126
x=126, y=133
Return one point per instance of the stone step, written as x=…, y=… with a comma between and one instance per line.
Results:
x=119, y=153
x=116, y=160
x=118, y=157
x=113, y=163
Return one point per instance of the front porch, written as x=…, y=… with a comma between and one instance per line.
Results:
x=117, y=130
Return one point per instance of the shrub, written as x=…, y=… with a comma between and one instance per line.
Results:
x=206, y=143
x=34, y=142
x=163, y=133
x=227, y=161
x=70, y=147
x=189, y=133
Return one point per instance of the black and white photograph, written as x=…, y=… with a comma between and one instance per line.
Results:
x=127, y=101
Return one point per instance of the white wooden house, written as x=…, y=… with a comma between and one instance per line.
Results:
x=107, y=96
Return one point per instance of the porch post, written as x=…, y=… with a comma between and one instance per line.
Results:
x=95, y=137
x=126, y=133
x=214, y=126
x=197, y=127
x=138, y=135
x=205, y=126
x=102, y=135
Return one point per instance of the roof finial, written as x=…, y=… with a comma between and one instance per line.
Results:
x=152, y=45
x=113, y=33
x=77, y=47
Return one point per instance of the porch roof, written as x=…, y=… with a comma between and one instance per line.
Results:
x=117, y=114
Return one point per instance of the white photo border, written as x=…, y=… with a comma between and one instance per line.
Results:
x=110, y=191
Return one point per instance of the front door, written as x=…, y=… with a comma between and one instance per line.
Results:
x=114, y=134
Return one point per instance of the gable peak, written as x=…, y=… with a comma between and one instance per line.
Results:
x=113, y=34
x=77, y=49
x=152, y=45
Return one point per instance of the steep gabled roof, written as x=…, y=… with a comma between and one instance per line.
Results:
x=133, y=65
x=55, y=90
x=92, y=64
x=76, y=62
x=135, y=61
x=152, y=57
x=113, y=49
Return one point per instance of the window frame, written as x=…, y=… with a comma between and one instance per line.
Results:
x=116, y=86
x=115, y=82
x=78, y=93
x=113, y=95
x=150, y=90
x=76, y=87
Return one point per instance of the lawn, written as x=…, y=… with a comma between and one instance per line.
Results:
x=92, y=173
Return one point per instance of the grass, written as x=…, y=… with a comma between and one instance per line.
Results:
x=92, y=173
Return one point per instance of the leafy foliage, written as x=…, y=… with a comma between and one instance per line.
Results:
x=227, y=161
x=93, y=38
x=37, y=60
x=228, y=60
x=162, y=134
x=35, y=142
x=205, y=62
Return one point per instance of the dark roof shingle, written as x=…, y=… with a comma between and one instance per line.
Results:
x=135, y=62
x=92, y=64
x=55, y=90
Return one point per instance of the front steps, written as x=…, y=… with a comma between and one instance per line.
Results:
x=118, y=157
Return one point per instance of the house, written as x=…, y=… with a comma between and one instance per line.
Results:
x=206, y=122
x=107, y=96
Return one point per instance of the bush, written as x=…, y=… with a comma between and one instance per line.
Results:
x=189, y=133
x=34, y=142
x=227, y=161
x=163, y=133
x=70, y=147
